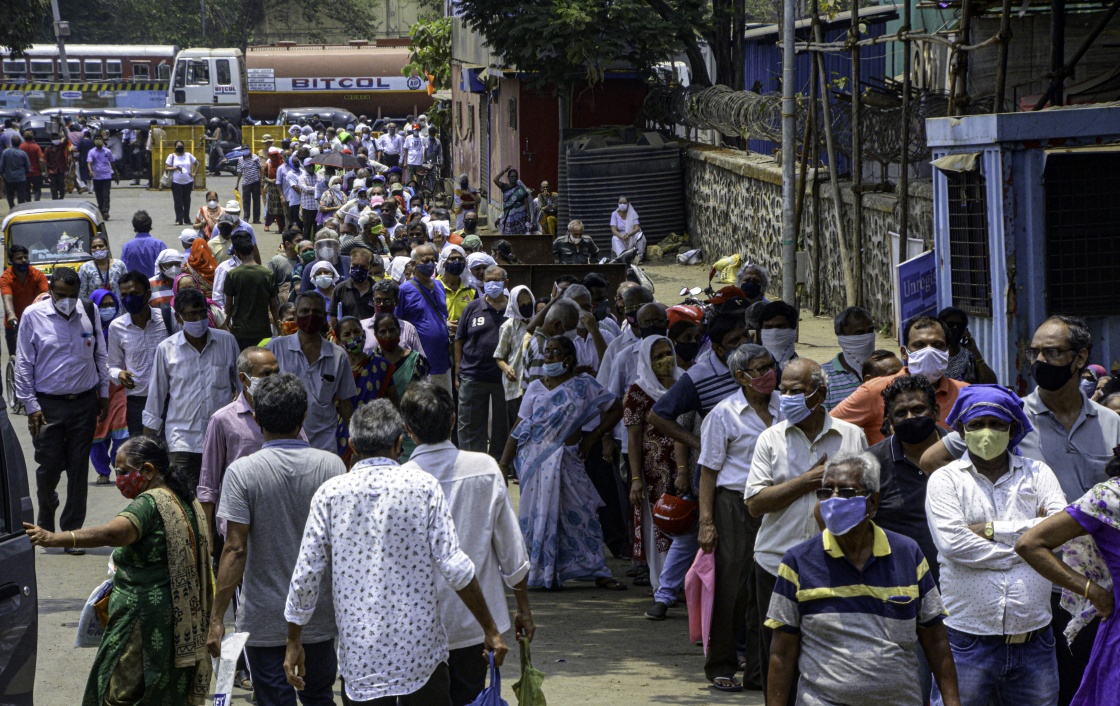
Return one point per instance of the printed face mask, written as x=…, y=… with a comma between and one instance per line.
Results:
x=663, y=367
x=455, y=267
x=132, y=484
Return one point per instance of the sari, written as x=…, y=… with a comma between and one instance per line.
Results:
x=208, y=219
x=372, y=380
x=412, y=367
x=153, y=651
x=214, y=312
x=558, y=509
x=202, y=264
x=274, y=206
x=515, y=212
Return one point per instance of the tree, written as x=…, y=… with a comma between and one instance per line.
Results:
x=21, y=23
x=430, y=44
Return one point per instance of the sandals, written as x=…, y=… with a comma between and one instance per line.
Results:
x=610, y=584
x=642, y=580
x=637, y=570
x=726, y=684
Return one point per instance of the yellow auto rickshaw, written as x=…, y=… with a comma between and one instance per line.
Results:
x=55, y=233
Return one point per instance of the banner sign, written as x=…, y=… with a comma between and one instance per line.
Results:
x=265, y=83
x=917, y=288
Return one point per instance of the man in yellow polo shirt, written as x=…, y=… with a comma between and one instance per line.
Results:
x=459, y=294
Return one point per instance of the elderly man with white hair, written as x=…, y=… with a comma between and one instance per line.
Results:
x=849, y=605
x=423, y=303
x=754, y=280
x=786, y=470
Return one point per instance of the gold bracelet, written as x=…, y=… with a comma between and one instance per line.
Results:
x=1088, y=582
x=73, y=540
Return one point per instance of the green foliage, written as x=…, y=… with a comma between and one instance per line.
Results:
x=21, y=23
x=430, y=44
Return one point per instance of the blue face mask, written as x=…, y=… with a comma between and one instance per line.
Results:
x=554, y=370
x=841, y=515
x=794, y=408
x=494, y=289
x=1089, y=387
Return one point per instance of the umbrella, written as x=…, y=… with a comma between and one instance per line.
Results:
x=338, y=160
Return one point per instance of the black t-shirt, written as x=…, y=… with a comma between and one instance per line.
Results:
x=354, y=303
x=478, y=330
x=568, y=253
x=902, y=498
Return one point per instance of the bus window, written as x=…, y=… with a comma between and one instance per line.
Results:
x=164, y=71
x=224, y=78
x=113, y=69
x=93, y=69
x=198, y=73
x=75, y=69
x=42, y=70
x=15, y=68
x=141, y=72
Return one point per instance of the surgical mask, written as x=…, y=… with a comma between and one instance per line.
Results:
x=525, y=310
x=311, y=323
x=427, y=269
x=196, y=329
x=794, y=408
x=987, y=443
x=455, y=267
x=929, y=362
x=211, y=205
x=914, y=430
x=766, y=383
x=494, y=289
x=1088, y=387
x=107, y=315
x=100, y=254
x=355, y=345
x=253, y=386
x=323, y=281
x=779, y=341
x=575, y=237
x=172, y=272
x=647, y=331
x=752, y=289
x=308, y=256
x=842, y=515
x=363, y=202
x=134, y=303
x=688, y=350
x=857, y=349
x=663, y=367
x=66, y=306
x=554, y=370
x=56, y=142
x=327, y=252
x=1050, y=377
x=359, y=274
x=622, y=208
x=132, y=484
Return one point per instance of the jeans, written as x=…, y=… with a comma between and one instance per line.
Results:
x=251, y=198
x=266, y=669
x=101, y=188
x=482, y=405
x=682, y=552
x=181, y=196
x=992, y=672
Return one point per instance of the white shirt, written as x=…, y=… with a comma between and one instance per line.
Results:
x=782, y=453
x=383, y=532
x=182, y=166
x=728, y=437
x=988, y=589
x=414, y=146
x=218, y=294
x=618, y=372
x=587, y=354
x=134, y=349
x=488, y=532
x=390, y=144
x=193, y=385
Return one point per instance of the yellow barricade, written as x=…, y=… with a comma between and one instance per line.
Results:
x=192, y=138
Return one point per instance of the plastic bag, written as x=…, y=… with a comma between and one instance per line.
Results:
x=728, y=268
x=528, y=687
x=226, y=667
x=691, y=257
x=89, y=627
x=165, y=181
x=491, y=695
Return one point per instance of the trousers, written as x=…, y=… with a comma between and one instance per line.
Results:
x=467, y=668
x=734, y=609
x=435, y=692
x=251, y=198
x=63, y=446
x=266, y=669
x=181, y=196
x=102, y=189
x=482, y=408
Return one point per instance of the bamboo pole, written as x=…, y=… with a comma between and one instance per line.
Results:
x=857, y=160
x=904, y=160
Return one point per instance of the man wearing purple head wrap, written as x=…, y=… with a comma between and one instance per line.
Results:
x=978, y=506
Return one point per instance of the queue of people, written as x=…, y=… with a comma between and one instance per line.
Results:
x=904, y=507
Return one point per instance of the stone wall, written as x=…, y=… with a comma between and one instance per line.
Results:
x=735, y=205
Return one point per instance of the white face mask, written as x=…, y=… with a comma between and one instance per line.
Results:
x=327, y=252
x=66, y=306
x=253, y=386
x=622, y=207
x=857, y=348
x=100, y=254
x=173, y=272
x=929, y=362
x=211, y=205
x=196, y=329
x=323, y=281
x=779, y=341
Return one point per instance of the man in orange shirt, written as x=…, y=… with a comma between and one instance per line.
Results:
x=926, y=353
x=19, y=285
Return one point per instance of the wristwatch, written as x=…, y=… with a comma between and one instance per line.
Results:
x=989, y=531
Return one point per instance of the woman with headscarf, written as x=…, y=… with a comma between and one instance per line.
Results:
x=408, y=364
x=515, y=204
x=652, y=460
x=331, y=200
x=154, y=647
x=1088, y=533
x=373, y=375
x=208, y=215
x=112, y=431
x=215, y=313
x=200, y=260
x=626, y=231
x=274, y=206
x=510, y=351
x=398, y=268
x=1093, y=378
x=477, y=262
x=323, y=278
x=169, y=265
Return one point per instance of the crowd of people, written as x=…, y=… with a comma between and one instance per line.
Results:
x=876, y=528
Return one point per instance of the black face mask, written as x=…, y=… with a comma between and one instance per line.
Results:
x=647, y=331
x=526, y=310
x=469, y=225
x=752, y=289
x=602, y=310
x=1050, y=377
x=914, y=430
x=956, y=333
x=688, y=350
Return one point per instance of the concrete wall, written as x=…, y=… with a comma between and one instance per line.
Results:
x=735, y=205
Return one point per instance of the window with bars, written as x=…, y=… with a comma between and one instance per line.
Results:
x=1082, y=233
x=969, y=251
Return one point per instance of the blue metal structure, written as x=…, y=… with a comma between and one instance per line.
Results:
x=1011, y=152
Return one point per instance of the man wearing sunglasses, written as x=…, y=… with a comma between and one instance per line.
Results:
x=786, y=470
x=822, y=616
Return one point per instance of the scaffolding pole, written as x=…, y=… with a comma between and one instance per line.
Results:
x=857, y=163
x=789, y=153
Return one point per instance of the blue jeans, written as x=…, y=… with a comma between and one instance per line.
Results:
x=991, y=672
x=678, y=561
x=266, y=669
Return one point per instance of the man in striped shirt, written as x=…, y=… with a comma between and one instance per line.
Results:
x=308, y=204
x=849, y=604
x=249, y=180
x=855, y=332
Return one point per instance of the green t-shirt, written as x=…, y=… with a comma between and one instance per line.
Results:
x=252, y=288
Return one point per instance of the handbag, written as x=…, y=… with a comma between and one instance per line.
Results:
x=528, y=687
x=491, y=695
x=165, y=181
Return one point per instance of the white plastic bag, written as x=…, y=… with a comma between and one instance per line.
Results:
x=226, y=667
x=89, y=627
x=691, y=257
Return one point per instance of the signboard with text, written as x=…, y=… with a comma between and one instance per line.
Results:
x=269, y=83
x=917, y=288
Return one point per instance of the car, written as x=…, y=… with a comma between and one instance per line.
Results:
x=19, y=596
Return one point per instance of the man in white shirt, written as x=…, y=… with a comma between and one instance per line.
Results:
x=591, y=341
x=977, y=507
x=383, y=532
x=488, y=531
x=727, y=442
x=414, y=146
x=786, y=471
x=389, y=146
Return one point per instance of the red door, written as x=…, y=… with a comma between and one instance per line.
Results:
x=539, y=137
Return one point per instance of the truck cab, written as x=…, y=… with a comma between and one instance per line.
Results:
x=210, y=81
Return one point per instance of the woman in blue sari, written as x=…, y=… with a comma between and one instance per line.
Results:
x=562, y=419
x=515, y=203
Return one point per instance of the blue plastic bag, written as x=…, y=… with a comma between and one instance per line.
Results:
x=491, y=695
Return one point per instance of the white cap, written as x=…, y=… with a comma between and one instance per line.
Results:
x=232, y=206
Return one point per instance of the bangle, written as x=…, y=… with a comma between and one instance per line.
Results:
x=1088, y=582
x=74, y=541
x=682, y=468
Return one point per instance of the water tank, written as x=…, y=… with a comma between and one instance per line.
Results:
x=596, y=169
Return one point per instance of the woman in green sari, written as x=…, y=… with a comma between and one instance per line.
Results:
x=408, y=365
x=153, y=652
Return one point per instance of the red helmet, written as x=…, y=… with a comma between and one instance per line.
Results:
x=673, y=515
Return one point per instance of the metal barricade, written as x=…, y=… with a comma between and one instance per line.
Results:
x=192, y=137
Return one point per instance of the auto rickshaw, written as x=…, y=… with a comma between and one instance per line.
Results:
x=55, y=233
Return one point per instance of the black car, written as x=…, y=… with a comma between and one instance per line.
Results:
x=19, y=597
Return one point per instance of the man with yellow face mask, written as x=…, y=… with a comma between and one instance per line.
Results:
x=978, y=506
